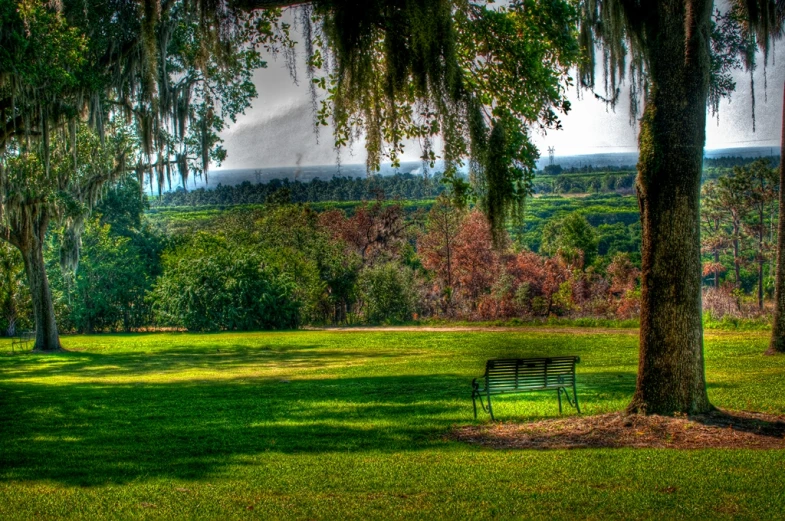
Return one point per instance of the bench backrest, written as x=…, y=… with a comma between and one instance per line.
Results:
x=522, y=374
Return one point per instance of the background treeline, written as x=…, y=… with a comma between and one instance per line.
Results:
x=739, y=236
x=284, y=264
x=551, y=180
x=398, y=186
x=410, y=187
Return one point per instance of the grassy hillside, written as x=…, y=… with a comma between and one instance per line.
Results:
x=334, y=425
x=615, y=217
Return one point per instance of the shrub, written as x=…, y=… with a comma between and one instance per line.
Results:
x=208, y=285
x=721, y=302
x=388, y=293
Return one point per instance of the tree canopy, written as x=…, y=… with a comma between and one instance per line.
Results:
x=90, y=91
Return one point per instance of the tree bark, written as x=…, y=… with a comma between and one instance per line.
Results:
x=671, y=375
x=29, y=239
x=777, y=343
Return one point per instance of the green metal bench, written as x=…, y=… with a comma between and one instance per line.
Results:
x=518, y=375
x=22, y=340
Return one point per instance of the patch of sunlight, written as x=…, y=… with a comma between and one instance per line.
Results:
x=735, y=335
x=55, y=439
x=358, y=424
x=247, y=375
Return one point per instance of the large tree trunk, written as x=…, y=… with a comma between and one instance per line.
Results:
x=29, y=239
x=46, y=335
x=777, y=344
x=671, y=376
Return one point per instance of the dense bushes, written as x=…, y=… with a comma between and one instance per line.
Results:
x=209, y=285
x=388, y=293
x=108, y=290
x=119, y=261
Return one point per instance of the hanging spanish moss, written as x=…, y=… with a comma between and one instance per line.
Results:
x=762, y=20
x=393, y=71
x=396, y=73
x=506, y=183
x=153, y=63
x=608, y=26
x=761, y=23
x=477, y=77
x=70, y=245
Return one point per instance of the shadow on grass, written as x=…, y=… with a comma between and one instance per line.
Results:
x=225, y=357
x=751, y=422
x=89, y=434
x=96, y=432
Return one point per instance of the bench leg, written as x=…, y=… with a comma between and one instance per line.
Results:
x=558, y=392
x=575, y=395
x=490, y=407
x=474, y=405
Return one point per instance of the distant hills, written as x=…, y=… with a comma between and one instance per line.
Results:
x=307, y=173
x=631, y=158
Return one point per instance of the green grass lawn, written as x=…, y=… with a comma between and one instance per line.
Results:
x=333, y=425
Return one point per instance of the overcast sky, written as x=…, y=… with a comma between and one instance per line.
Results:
x=278, y=129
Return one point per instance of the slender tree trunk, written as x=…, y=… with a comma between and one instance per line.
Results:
x=761, y=260
x=777, y=344
x=736, y=254
x=671, y=375
x=11, y=331
x=716, y=273
x=30, y=241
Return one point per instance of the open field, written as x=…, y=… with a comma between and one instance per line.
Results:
x=354, y=424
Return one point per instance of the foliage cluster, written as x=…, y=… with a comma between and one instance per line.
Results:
x=91, y=90
x=15, y=305
x=279, y=265
x=740, y=212
x=209, y=284
x=379, y=264
x=120, y=258
x=596, y=182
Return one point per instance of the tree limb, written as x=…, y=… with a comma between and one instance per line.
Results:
x=250, y=5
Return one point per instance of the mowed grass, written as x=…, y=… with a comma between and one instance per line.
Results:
x=353, y=425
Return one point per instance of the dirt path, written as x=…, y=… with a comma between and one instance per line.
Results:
x=559, y=330
x=481, y=329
